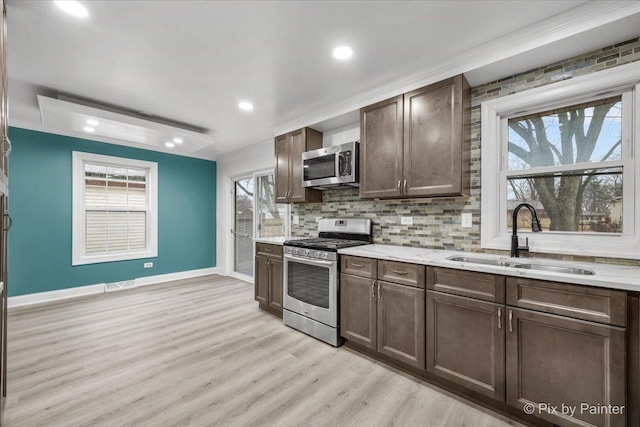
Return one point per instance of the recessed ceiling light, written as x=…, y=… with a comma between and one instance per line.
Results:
x=170, y=144
x=178, y=140
x=246, y=106
x=88, y=129
x=92, y=122
x=342, y=52
x=72, y=7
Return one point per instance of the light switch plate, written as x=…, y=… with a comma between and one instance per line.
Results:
x=467, y=219
x=406, y=220
x=296, y=219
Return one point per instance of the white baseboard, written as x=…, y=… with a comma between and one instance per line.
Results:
x=60, y=294
x=161, y=278
x=242, y=277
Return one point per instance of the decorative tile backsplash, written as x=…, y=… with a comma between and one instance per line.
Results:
x=437, y=221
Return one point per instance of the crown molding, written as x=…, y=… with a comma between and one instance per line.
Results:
x=41, y=128
x=572, y=22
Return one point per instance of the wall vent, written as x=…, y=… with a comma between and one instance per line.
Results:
x=119, y=286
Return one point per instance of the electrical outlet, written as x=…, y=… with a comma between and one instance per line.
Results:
x=148, y=264
x=406, y=220
x=296, y=219
x=467, y=219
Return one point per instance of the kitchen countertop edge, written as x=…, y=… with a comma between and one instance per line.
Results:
x=606, y=276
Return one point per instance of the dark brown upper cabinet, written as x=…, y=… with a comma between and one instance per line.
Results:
x=288, y=153
x=381, y=149
x=417, y=144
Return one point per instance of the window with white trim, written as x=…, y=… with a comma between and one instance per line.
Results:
x=569, y=150
x=114, y=208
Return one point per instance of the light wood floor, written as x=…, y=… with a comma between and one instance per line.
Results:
x=201, y=354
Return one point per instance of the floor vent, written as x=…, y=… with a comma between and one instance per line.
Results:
x=119, y=286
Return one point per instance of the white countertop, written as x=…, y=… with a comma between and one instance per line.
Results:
x=271, y=240
x=606, y=275
x=276, y=240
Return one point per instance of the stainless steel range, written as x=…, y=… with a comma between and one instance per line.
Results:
x=312, y=277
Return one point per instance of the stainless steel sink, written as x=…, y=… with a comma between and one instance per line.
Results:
x=480, y=261
x=525, y=266
x=556, y=269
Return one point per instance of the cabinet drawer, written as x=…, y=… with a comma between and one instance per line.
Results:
x=365, y=267
x=268, y=250
x=487, y=287
x=402, y=273
x=580, y=302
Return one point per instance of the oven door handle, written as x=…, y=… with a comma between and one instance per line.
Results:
x=309, y=260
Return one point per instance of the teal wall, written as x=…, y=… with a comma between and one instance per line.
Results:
x=40, y=206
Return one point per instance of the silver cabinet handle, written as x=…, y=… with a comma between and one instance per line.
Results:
x=373, y=289
x=405, y=187
x=499, y=318
x=267, y=250
x=353, y=264
x=9, y=221
x=378, y=290
x=399, y=182
x=510, y=321
x=9, y=145
x=399, y=272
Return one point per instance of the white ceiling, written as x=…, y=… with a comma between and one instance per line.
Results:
x=192, y=61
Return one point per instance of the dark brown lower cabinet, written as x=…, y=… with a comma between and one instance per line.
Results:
x=466, y=342
x=268, y=282
x=261, y=280
x=554, y=361
x=275, y=284
x=358, y=310
x=385, y=317
x=401, y=323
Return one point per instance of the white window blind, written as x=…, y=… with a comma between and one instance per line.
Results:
x=114, y=214
x=115, y=201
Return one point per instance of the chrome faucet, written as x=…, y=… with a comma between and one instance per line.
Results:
x=535, y=227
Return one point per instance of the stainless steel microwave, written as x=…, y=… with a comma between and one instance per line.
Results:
x=329, y=167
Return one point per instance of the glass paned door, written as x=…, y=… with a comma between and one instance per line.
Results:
x=271, y=216
x=243, y=225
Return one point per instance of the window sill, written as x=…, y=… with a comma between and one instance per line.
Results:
x=126, y=256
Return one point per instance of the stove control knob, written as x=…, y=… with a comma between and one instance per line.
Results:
x=325, y=255
x=295, y=251
x=307, y=252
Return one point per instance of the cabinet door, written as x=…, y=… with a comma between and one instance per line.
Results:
x=434, y=139
x=557, y=360
x=261, y=280
x=275, y=284
x=381, y=149
x=401, y=323
x=358, y=310
x=297, y=147
x=282, y=168
x=465, y=342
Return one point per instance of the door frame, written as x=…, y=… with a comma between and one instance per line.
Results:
x=230, y=221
